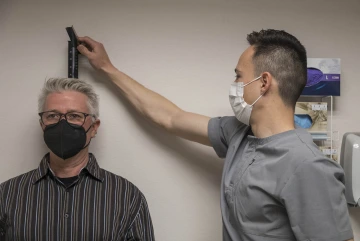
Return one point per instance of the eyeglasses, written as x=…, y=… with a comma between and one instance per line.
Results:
x=53, y=117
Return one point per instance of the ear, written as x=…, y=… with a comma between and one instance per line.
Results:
x=266, y=80
x=96, y=125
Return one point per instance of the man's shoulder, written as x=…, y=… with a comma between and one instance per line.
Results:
x=312, y=157
x=306, y=154
x=298, y=149
x=120, y=182
x=17, y=183
x=228, y=122
x=25, y=177
x=299, y=143
x=229, y=126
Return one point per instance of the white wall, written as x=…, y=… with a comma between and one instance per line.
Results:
x=186, y=51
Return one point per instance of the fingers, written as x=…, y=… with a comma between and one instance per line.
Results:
x=94, y=51
x=89, y=41
x=84, y=51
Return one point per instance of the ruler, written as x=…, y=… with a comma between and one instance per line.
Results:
x=73, y=60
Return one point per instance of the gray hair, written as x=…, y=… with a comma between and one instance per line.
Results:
x=53, y=85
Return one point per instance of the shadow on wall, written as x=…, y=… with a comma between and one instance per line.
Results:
x=203, y=162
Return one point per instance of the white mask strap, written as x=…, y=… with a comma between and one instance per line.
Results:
x=252, y=81
x=256, y=100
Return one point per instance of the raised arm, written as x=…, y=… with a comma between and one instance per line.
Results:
x=149, y=104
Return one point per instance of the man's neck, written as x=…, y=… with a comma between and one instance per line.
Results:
x=272, y=122
x=70, y=167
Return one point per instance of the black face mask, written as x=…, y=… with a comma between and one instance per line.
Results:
x=64, y=139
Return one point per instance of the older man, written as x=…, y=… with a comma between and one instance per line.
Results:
x=69, y=197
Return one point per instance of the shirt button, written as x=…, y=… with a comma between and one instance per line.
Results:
x=66, y=215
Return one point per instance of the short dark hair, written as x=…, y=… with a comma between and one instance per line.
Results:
x=284, y=57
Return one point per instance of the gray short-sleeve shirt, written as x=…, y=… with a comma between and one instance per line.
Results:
x=278, y=188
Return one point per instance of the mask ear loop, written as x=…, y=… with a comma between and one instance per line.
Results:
x=89, y=128
x=260, y=95
x=90, y=138
x=252, y=81
x=256, y=100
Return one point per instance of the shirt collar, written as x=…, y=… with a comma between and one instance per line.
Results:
x=42, y=170
x=91, y=168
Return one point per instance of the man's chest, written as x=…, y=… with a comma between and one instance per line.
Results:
x=48, y=211
x=252, y=185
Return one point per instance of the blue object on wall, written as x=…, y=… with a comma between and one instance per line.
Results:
x=303, y=121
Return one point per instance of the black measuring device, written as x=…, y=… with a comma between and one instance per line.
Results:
x=73, y=53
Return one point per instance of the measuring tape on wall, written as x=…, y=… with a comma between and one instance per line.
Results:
x=73, y=60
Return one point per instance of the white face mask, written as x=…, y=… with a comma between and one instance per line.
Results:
x=242, y=110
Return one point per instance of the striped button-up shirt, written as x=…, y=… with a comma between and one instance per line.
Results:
x=98, y=206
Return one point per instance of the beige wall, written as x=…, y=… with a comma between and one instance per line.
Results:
x=185, y=50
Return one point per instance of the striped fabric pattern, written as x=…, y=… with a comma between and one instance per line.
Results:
x=98, y=206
